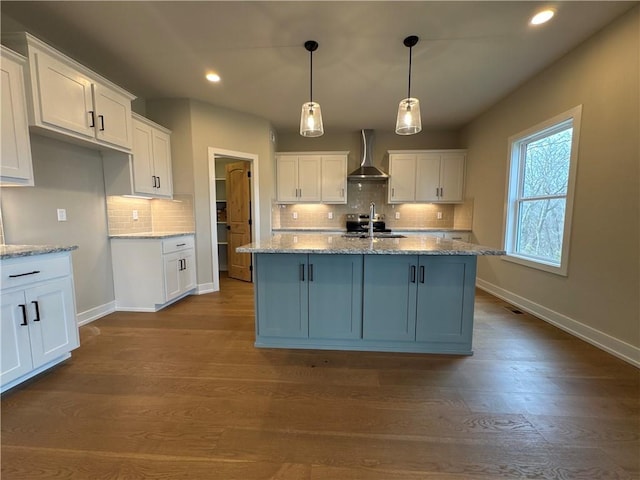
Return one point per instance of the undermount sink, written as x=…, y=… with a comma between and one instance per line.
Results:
x=375, y=235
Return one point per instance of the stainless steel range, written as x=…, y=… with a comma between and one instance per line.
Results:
x=358, y=226
x=359, y=223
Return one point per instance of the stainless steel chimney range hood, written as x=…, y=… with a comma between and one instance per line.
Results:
x=367, y=171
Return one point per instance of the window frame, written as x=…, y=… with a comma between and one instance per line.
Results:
x=515, y=172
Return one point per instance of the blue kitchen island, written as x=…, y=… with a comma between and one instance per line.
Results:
x=326, y=291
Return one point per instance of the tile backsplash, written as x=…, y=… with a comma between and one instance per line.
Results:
x=360, y=195
x=154, y=215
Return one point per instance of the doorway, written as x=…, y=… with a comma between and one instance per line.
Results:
x=223, y=254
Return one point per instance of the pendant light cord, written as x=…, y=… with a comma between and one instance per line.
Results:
x=311, y=77
x=409, y=89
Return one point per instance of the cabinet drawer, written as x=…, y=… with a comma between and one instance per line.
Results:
x=177, y=244
x=18, y=272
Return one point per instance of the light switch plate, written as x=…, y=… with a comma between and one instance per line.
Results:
x=62, y=214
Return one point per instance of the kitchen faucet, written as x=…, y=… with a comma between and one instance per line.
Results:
x=372, y=214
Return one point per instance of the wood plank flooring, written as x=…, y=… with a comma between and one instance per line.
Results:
x=183, y=394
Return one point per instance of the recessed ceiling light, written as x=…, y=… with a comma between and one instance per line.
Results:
x=542, y=17
x=213, y=77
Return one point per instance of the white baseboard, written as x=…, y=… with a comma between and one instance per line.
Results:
x=95, y=313
x=599, y=339
x=205, y=288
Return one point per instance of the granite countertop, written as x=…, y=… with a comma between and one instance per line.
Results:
x=152, y=235
x=14, y=251
x=337, y=244
x=330, y=230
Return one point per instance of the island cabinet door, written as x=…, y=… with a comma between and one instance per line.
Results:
x=390, y=289
x=335, y=296
x=282, y=295
x=446, y=292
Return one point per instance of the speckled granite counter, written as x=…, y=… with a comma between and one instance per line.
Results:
x=337, y=244
x=152, y=235
x=14, y=251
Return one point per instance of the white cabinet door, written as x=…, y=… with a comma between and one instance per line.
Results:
x=161, y=150
x=143, y=172
x=188, y=271
x=15, y=159
x=151, y=160
x=309, y=168
x=113, y=116
x=452, y=177
x=15, y=356
x=66, y=99
x=287, y=178
x=427, y=177
x=334, y=178
x=172, y=267
x=402, y=178
x=52, y=322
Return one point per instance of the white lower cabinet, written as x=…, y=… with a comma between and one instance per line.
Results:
x=38, y=324
x=150, y=273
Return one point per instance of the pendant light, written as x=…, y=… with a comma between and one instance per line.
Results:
x=311, y=118
x=409, y=121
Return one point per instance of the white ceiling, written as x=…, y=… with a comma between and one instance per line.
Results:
x=470, y=54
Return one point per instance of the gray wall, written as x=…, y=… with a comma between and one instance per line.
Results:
x=602, y=289
x=196, y=126
x=66, y=176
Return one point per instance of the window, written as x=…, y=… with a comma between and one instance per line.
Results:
x=541, y=181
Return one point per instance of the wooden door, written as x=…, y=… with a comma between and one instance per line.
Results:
x=238, y=177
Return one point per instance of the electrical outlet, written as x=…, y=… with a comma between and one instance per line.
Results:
x=397, y=215
x=330, y=215
x=62, y=214
x=294, y=215
x=439, y=215
x=134, y=214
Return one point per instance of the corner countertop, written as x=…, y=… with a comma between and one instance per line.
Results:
x=337, y=244
x=152, y=235
x=15, y=251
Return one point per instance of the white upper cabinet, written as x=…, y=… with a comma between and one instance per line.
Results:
x=334, y=178
x=147, y=171
x=298, y=178
x=68, y=99
x=151, y=158
x=311, y=177
x=15, y=162
x=428, y=176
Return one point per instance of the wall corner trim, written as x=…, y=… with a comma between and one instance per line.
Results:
x=601, y=340
x=95, y=313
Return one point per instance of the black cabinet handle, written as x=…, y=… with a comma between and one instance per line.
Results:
x=421, y=273
x=37, y=319
x=23, y=274
x=158, y=181
x=311, y=272
x=93, y=119
x=24, y=315
x=302, y=272
x=180, y=244
x=101, y=117
x=413, y=274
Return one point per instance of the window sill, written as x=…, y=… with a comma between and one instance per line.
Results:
x=536, y=264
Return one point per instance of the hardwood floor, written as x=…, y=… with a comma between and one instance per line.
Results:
x=183, y=394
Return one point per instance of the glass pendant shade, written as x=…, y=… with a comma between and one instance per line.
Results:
x=408, y=121
x=311, y=120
